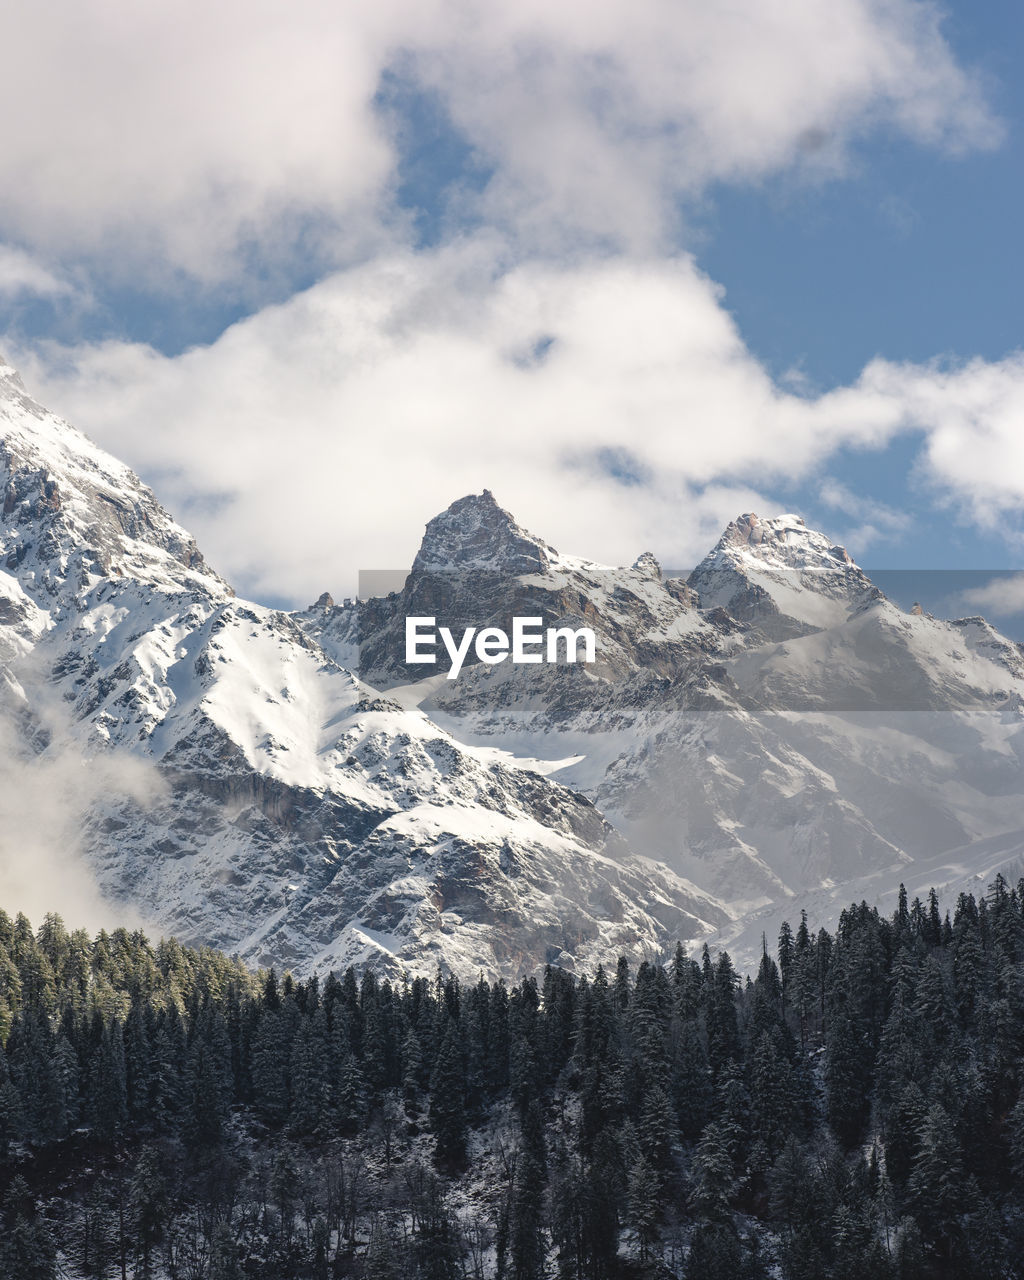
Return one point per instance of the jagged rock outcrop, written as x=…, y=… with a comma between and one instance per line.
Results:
x=780, y=577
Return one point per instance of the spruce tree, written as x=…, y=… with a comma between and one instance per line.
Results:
x=526, y=1233
x=447, y=1110
x=712, y=1175
x=108, y=1099
x=271, y=1061
x=27, y=1250
x=148, y=1206
x=937, y=1186
x=643, y=1203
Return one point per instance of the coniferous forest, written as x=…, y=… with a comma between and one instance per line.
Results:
x=852, y=1111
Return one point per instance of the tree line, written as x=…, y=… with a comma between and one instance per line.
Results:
x=851, y=1111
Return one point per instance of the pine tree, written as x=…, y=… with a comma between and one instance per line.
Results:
x=567, y=1211
x=285, y=1188
x=691, y=1079
x=309, y=1083
x=350, y=1096
x=785, y=953
x=447, y=1110
x=848, y=1062
x=773, y=1094
x=93, y=1243
x=935, y=1001
x=790, y=1187
x=712, y=1175
x=526, y=1237
x=657, y=1131
x=413, y=1081
x=138, y=1064
x=271, y=1060
x=603, y=1193
x=166, y=1087
x=206, y=1083
x=643, y=1203
x=108, y=1099
x=27, y=1250
x=148, y=1206
x=722, y=1025
x=39, y=1073
x=374, y=1041
x=604, y=1079
x=11, y=1115
x=904, y=1122
x=937, y=1186
x=686, y=985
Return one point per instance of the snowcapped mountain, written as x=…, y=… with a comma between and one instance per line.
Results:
x=645, y=628
x=780, y=577
x=770, y=728
x=299, y=817
x=767, y=732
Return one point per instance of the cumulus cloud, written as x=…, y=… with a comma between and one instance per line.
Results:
x=216, y=139
x=611, y=405
x=184, y=135
x=598, y=117
x=974, y=448
x=555, y=349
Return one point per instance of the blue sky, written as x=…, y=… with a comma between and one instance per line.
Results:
x=317, y=279
x=916, y=256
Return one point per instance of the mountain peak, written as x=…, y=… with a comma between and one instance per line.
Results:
x=782, y=542
x=647, y=564
x=72, y=512
x=476, y=533
x=781, y=576
x=10, y=379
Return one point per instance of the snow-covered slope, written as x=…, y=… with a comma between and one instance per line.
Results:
x=771, y=726
x=302, y=817
x=780, y=577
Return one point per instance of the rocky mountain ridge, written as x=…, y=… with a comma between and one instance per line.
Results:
x=771, y=727
x=299, y=817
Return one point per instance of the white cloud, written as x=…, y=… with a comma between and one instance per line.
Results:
x=21, y=275
x=191, y=136
x=317, y=437
x=599, y=116
x=973, y=411
x=44, y=801
x=178, y=135
x=873, y=521
x=1002, y=596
